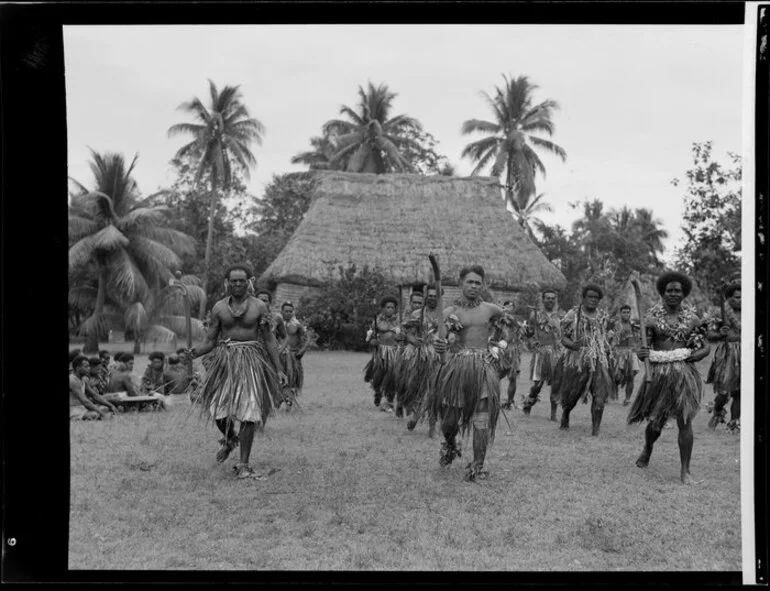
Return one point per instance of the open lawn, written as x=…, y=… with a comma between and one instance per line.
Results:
x=355, y=490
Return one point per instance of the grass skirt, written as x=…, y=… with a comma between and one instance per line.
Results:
x=573, y=378
x=725, y=370
x=675, y=389
x=543, y=364
x=295, y=373
x=380, y=370
x=241, y=382
x=626, y=366
x=467, y=377
x=415, y=369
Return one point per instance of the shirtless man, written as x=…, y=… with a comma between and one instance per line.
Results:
x=426, y=370
x=544, y=332
x=379, y=371
x=725, y=370
x=81, y=405
x=626, y=343
x=468, y=384
x=244, y=375
x=675, y=388
x=510, y=332
x=279, y=328
x=407, y=352
x=293, y=348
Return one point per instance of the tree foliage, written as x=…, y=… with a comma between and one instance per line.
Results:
x=513, y=137
x=222, y=134
x=604, y=247
x=126, y=242
x=711, y=223
x=347, y=306
x=369, y=139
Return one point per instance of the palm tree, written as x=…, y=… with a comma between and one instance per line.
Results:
x=222, y=136
x=125, y=238
x=160, y=315
x=592, y=228
x=510, y=143
x=371, y=141
x=526, y=209
x=651, y=234
x=321, y=154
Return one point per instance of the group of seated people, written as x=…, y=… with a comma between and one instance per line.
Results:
x=96, y=386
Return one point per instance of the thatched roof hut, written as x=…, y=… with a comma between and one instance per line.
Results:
x=391, y=221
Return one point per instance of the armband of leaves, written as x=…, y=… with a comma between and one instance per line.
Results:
x=453, y=323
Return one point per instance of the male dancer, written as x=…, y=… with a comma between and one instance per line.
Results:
x=585, y=366
x=293, y=348
x=627, y=335
x=544, y=332
x=675, y=387
x=244, y=375
x=468, y=384
x=379, y=371
x=725, y=370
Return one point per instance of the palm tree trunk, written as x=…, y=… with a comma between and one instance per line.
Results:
x=92, y=338
x=207, y=257
x=137, y=343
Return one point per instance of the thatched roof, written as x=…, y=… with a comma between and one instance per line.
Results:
x=391, y=221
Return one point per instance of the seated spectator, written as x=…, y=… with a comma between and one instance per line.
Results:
x=178, y=374
x=104, y=357
x=73, y=354
x=81, y=406
x=121, y=379
x=96, y=384
x=155, y=380
x=97, y=377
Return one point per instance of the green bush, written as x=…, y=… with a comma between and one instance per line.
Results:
x=344, y=311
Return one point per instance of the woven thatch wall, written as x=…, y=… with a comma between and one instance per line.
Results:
x=391, y=221
x=293, y=293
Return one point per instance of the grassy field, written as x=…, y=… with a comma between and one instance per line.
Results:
x=356, y=491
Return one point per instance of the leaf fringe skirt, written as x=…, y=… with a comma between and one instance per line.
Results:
x=543, y=363
x=292, y=367
x=674, y=389
x=573, y=379
x=416, y=366
x=240, y=383
x=380, y=371
x=626, y=366
x=468, y=377
x=725, y=370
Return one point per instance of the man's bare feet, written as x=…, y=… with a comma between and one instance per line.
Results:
x=643, y=460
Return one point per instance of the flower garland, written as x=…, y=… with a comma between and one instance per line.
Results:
x=685, y=329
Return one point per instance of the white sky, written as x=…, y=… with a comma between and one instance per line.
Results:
x=633, y=98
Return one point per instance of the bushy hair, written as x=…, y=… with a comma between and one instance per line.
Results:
x=78, y=360
x=592, y=287
x=73, y=354
x=478, y=269
x=553, y=291
x=126, y=357
x=157, y=355
x=286, y=303
x=672, y=276
x=94, y=361
x=625, y=307
x=238, y=267
x=388, y=299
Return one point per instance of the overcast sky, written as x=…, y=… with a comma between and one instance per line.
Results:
x=633, y=98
